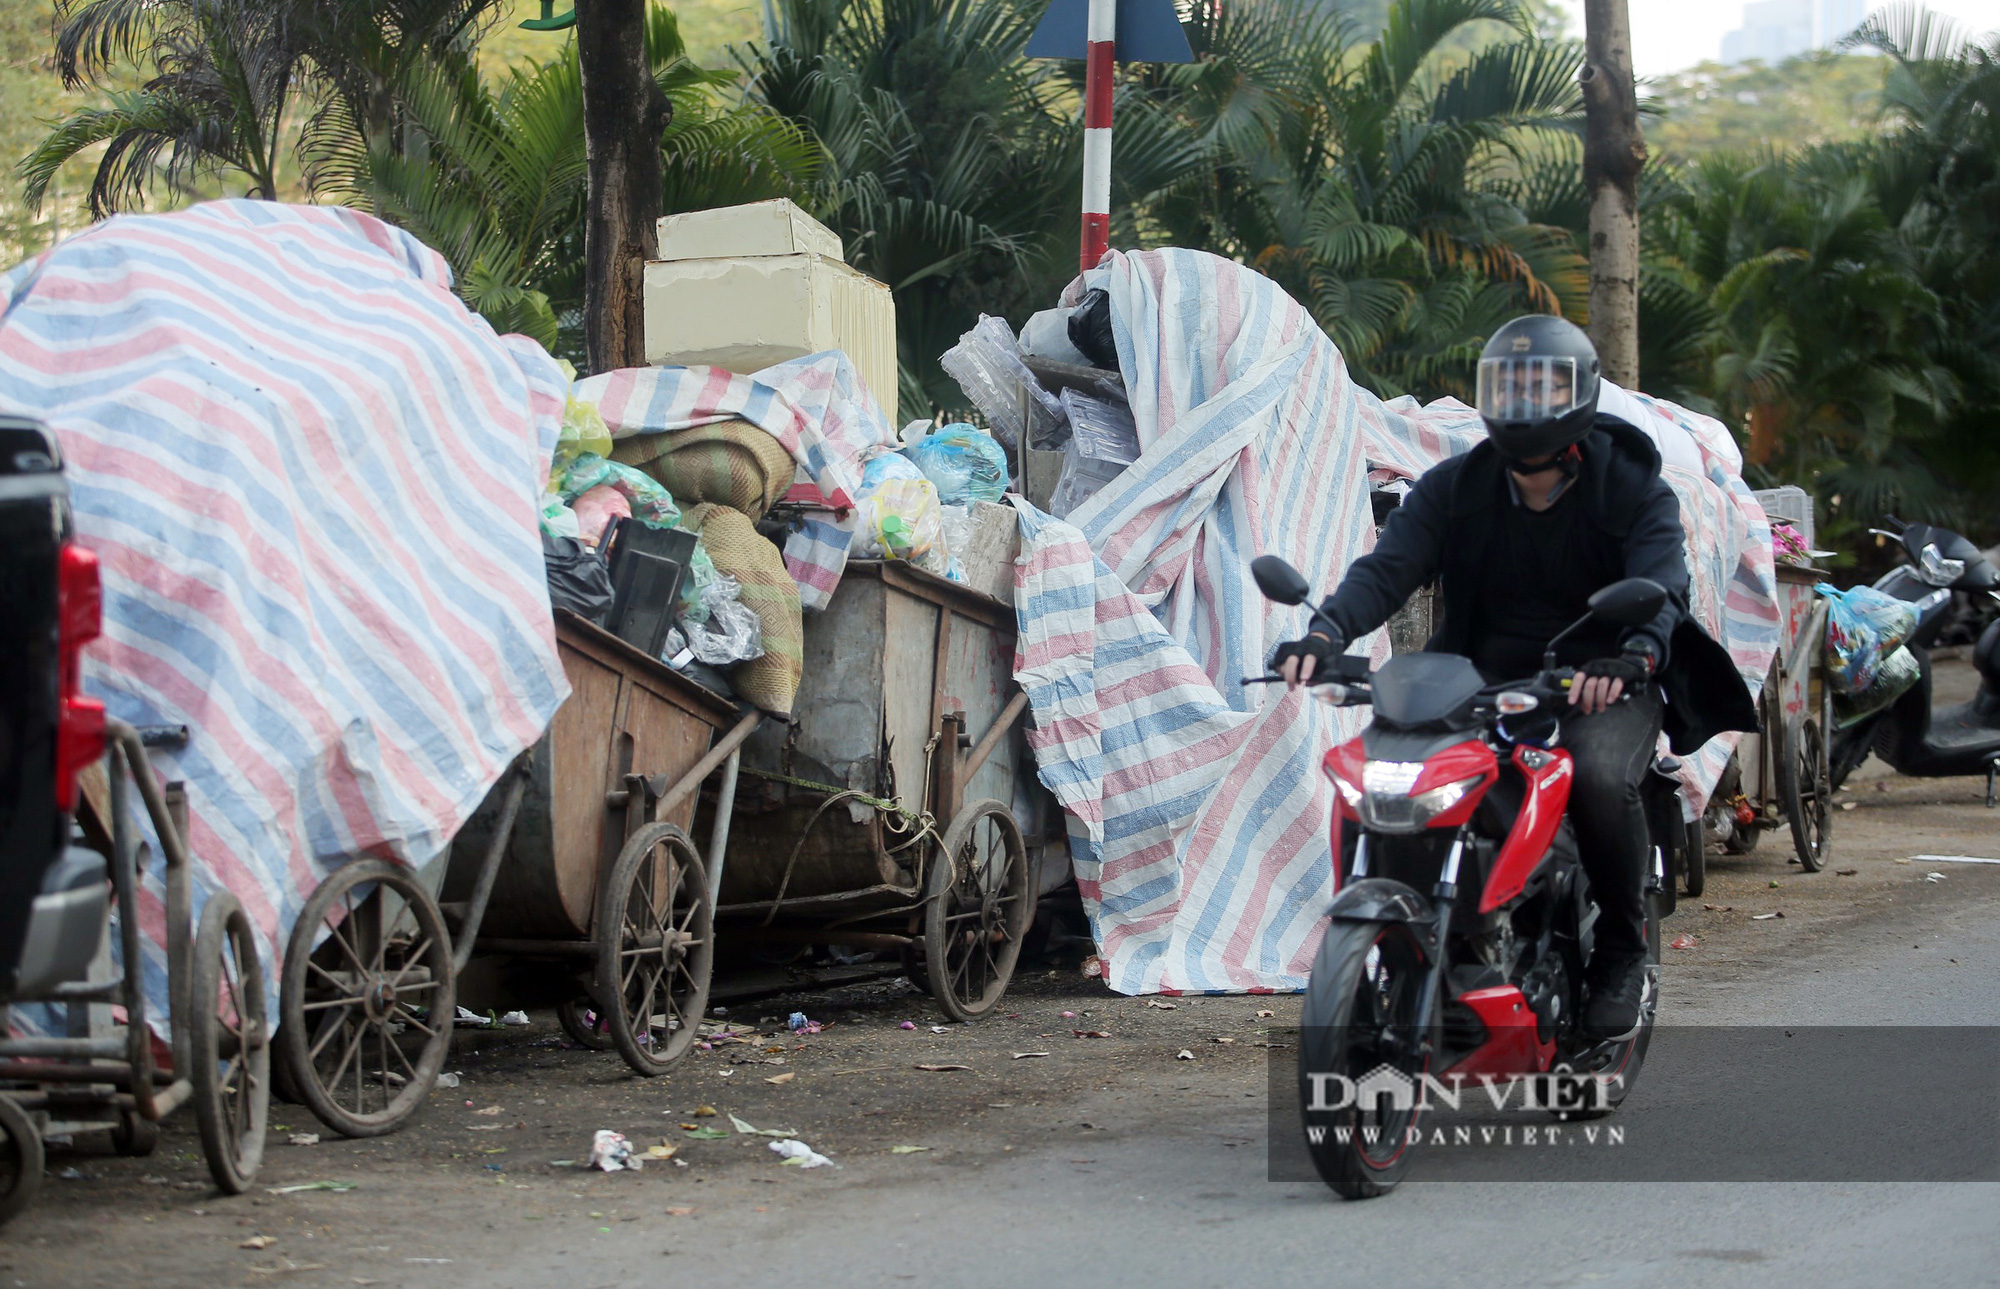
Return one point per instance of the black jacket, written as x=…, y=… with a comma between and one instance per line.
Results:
x=1445, y=528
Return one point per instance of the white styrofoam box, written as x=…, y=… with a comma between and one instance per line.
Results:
x=760, y=228
x=744, y=313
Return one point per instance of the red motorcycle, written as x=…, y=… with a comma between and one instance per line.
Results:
x=1459, y=788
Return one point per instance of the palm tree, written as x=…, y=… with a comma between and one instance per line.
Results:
x=224, y=77
x=493, y=177
x=1382, y=182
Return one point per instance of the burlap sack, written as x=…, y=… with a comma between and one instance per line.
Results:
x=732, y=541
x=727, y=463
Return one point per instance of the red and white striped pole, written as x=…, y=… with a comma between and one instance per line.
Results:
x=1101, y=32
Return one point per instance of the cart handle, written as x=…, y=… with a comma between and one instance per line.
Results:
x=1008, y=715
x=669, y=797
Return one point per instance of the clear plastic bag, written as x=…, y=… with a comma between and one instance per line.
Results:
x=986, y=363
x=965, y=463
x=732, y=633
x=1864, y=627
x=1898, y=672
x=1102, y=431
x=901, y=520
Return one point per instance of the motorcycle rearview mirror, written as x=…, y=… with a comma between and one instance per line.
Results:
x=1279, y=581
x=1631, y=603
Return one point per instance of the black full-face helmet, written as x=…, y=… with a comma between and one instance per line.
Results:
x=1537, y=386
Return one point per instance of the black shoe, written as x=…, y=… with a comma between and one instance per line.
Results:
x=1612, y=1013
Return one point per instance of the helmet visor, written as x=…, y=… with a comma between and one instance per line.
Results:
x=1526, y=388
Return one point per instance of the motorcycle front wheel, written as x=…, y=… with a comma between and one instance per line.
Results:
x=1361, y=1056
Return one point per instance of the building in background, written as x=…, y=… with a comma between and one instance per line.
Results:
x=1774, y=30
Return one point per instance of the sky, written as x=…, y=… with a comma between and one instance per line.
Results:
x=1668, y=35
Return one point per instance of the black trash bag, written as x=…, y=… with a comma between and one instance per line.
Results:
x=579, y=580
x=1090, y=329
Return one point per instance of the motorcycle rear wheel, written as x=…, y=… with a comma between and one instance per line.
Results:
x=1626, y=1058
x=1360, y=1014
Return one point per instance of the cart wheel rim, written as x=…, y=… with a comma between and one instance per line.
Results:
x=656, y=947
x=978, y=910
x=368, y=998
x=230, y=1046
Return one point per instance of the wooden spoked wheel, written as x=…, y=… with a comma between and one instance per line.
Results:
x=1805, y=789
x=21, y=1160
x=655, y=948
x=584, y=1023
x=229, y=1043
x=978, y=906
x=367, y=998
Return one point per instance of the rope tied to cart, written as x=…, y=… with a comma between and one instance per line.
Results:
x=913, y=825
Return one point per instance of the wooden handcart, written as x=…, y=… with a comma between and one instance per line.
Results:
x=898, y=813
x=581, y=854
x=102, y=1075
x=1780, y=776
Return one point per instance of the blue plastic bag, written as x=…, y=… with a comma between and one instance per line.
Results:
x=1863, y=627
x=967, y=464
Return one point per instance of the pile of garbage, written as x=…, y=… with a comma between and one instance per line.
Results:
x=1057, y=385
x=670, y=538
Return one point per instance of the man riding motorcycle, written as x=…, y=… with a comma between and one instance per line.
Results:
x=1557, y=503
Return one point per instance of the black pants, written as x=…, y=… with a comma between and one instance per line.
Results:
x=1614, y=751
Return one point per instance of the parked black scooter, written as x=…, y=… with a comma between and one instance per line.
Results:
x=1964, y=739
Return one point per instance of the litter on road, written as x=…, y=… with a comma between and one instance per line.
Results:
x=799, y=1155
x=611, y=1152
x=1951, y=859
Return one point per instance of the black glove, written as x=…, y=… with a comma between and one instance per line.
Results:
x=1634, y=667
x=1319, y=646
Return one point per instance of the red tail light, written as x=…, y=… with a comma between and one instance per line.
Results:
x=79, y=619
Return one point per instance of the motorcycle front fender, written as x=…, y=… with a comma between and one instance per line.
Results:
x=1379, y=899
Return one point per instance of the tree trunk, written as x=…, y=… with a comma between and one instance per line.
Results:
x=624, y=113
x=1613, y=154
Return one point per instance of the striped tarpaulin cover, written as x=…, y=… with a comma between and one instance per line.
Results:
x=312, y=478
x=1198, y=814
x=817, y=406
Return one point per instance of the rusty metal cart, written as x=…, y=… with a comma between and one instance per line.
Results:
x=890, y=815
x=1781, y=776
x=103, y=1075
x=580, y=854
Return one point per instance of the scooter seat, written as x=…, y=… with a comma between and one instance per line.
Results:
x=1959, y=729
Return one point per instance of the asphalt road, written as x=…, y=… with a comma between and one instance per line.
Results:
x=1165, y=1199
x=1109, y=1162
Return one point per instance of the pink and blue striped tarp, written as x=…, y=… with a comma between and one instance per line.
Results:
x=312, y=478
x=1198, y=813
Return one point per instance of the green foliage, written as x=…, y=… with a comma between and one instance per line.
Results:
x=1388, y=184
x=951, y=169
x=1814, y=98
x=1838, y=302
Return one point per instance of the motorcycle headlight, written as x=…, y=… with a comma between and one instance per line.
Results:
x=1386, y=802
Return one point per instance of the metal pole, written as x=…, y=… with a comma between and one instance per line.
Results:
x=718, y=838
x=1101, y=32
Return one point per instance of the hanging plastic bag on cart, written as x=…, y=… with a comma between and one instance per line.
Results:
x=1898, y=672
x=965, y=463
x=1863, y=627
